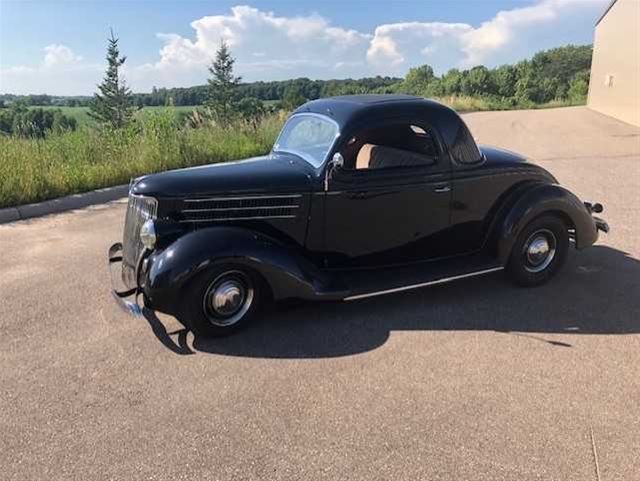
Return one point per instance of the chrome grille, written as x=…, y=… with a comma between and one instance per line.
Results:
x=140, y=209
x=241, y=208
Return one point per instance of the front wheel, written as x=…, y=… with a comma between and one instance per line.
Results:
x=539, y=252
x=221, y=300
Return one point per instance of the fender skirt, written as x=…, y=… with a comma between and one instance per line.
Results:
x=286, y=271
x=546, y=199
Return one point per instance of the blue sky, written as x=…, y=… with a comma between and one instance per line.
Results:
x=58, y=47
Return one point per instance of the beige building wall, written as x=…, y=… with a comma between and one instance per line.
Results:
x=614, y=88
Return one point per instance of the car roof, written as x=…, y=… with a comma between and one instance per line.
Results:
x=372, y=98
x=351, y=110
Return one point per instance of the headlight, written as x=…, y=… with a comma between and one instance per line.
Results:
x=148, y=234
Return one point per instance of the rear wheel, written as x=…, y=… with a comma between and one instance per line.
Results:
x=539, y=252
x=220, y=301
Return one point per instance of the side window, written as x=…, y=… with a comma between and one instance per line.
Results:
x=391, y=146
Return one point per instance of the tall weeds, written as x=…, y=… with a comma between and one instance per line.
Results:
x=32, y=170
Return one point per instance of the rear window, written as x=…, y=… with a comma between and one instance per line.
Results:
x=464, y=149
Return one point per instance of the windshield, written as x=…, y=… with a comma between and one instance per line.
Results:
x=309, y=136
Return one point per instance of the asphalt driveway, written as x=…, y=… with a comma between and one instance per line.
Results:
x=475, y=380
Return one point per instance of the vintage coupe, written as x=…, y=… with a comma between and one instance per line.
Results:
x=361, y=196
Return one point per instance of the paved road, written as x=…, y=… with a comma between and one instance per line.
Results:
x=475, y=380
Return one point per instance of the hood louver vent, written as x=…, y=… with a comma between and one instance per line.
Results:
x=240, y=208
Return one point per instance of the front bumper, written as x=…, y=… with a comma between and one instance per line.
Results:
x=127, y=298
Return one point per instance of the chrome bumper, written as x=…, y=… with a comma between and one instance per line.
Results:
x=130, y=306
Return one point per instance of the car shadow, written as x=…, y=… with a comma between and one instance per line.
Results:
x=598, y=292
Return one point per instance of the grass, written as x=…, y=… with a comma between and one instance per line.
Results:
x=463, y=104
x=81, y=114
x=33, y=170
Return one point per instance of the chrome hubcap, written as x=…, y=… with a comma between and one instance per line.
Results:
x=228, y=298
x=539, y=250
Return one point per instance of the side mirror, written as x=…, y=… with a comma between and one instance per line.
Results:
x=336, y=163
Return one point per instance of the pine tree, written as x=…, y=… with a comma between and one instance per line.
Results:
x=222, y=85
x=113, y=105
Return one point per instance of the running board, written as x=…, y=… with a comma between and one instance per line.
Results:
x=423, y=284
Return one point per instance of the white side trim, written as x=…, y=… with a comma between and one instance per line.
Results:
x=424, y=284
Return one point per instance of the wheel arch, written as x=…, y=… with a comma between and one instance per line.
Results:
x=544, y=199
x=286, y=272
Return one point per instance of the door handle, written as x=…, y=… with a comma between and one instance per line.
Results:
x=442, y=189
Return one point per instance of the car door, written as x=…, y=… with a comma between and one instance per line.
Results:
x=397, y=212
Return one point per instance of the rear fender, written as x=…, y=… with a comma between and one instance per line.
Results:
x=286, y=271
x=545, y=199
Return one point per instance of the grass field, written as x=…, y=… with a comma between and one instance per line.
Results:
x=33, y=170
x=81, y=114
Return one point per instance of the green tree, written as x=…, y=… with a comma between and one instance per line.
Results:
x=292, y=98
x=579, y=87
x=452, y=82
x=504, y=79
x=22, y=121
x=478, y=82
x=526, y=86
x=562, y=63
x=112, y=106
x=222, y=85
x=61, y=122
x=417, y=80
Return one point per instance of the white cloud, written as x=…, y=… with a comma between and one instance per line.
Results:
x=271, y=47
x=509, y=36
x=513, y=26
x=61, y=72
x=401, y=45
x=56, y=55
x=264, y=43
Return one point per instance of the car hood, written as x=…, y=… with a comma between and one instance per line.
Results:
x=265, y=174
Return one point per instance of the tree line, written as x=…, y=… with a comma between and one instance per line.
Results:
x=560, y=73
x=270, y=91
x=557, y=74
x=22, y=121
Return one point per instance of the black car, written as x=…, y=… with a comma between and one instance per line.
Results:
x=361, y=196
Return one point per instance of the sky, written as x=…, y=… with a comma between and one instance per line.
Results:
x=58, y=47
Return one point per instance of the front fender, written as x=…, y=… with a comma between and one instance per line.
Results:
x=546, y=199
x=287, y=272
